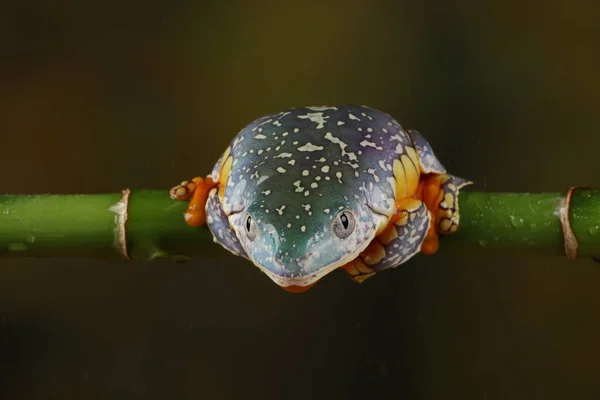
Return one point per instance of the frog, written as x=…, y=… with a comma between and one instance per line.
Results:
x=309, y=190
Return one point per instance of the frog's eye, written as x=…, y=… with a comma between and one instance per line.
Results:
x=343, y=224
x=250, y=228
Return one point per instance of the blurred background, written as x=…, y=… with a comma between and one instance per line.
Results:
x=97, y=96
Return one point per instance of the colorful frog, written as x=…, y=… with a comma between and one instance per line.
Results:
x=309, y=190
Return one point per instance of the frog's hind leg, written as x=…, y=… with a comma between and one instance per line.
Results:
x=399, y=241
x=427, y=159
x=438, y=190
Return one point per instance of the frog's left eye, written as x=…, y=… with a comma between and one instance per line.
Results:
x=250, y=226
x=343, y=224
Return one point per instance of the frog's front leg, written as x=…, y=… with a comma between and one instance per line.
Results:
x=408, y=229
x=197, y=189
x=205, y=207
x=414, y=227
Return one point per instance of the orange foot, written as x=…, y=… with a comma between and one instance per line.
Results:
x=198, y=189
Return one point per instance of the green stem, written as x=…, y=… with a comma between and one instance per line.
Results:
x=89, y=225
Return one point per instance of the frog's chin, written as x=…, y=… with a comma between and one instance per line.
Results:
x=305, y=282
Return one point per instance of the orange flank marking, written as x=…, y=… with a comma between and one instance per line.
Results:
x=223, y=176
x=195, y=215
x=406, y=175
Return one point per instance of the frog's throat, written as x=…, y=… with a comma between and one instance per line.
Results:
x=307, y=280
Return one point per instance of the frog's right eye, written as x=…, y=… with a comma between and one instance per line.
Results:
x=250, y=226
x=343, y=224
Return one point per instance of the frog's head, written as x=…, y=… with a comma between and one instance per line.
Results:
x=296, y=240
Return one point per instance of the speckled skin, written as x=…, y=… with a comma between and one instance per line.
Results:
x=293, y=172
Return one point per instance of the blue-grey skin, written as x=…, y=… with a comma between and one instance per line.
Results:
x=293, y=173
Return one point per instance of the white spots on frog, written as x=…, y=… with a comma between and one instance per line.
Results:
x=237, y=197
x=298, y=187
x=283, y=155
x=340, y=123
x=310, y=147
x=280, y=209
x=399, y=148
x=306, y=207
x=306, y=193
x=237, y=140
x=338, y=175
x=281, y=170
x=326, y=211
x=322, y=159
x=384, y=130
x=372, y=172
x=260, y=151
x=303, y=228
x=292, y=162
x=382, y=165
x=315, y=117
x=266, y=192
x=295, y=142
x=260, y=136
x=305, y=172
x=369, y=129
x=314, y=185
x=327, y=178
x=281, y=115
x=289, y=225
x=296, y=130
x=366, y=143
x=317, y=178
x=396, y=137
x=284, y=134
x=353, y=165
x=254, y=175
x=342, y=145
x=325, y=169
x=322, y=108
x=297, y=216
x=354, y=117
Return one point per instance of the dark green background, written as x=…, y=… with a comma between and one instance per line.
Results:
x=101, y=95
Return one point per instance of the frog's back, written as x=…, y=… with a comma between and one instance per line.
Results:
x=310, y=151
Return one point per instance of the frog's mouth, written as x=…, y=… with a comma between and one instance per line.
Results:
x=305, y=282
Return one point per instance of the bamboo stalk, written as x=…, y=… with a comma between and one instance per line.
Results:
x=147, y=224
